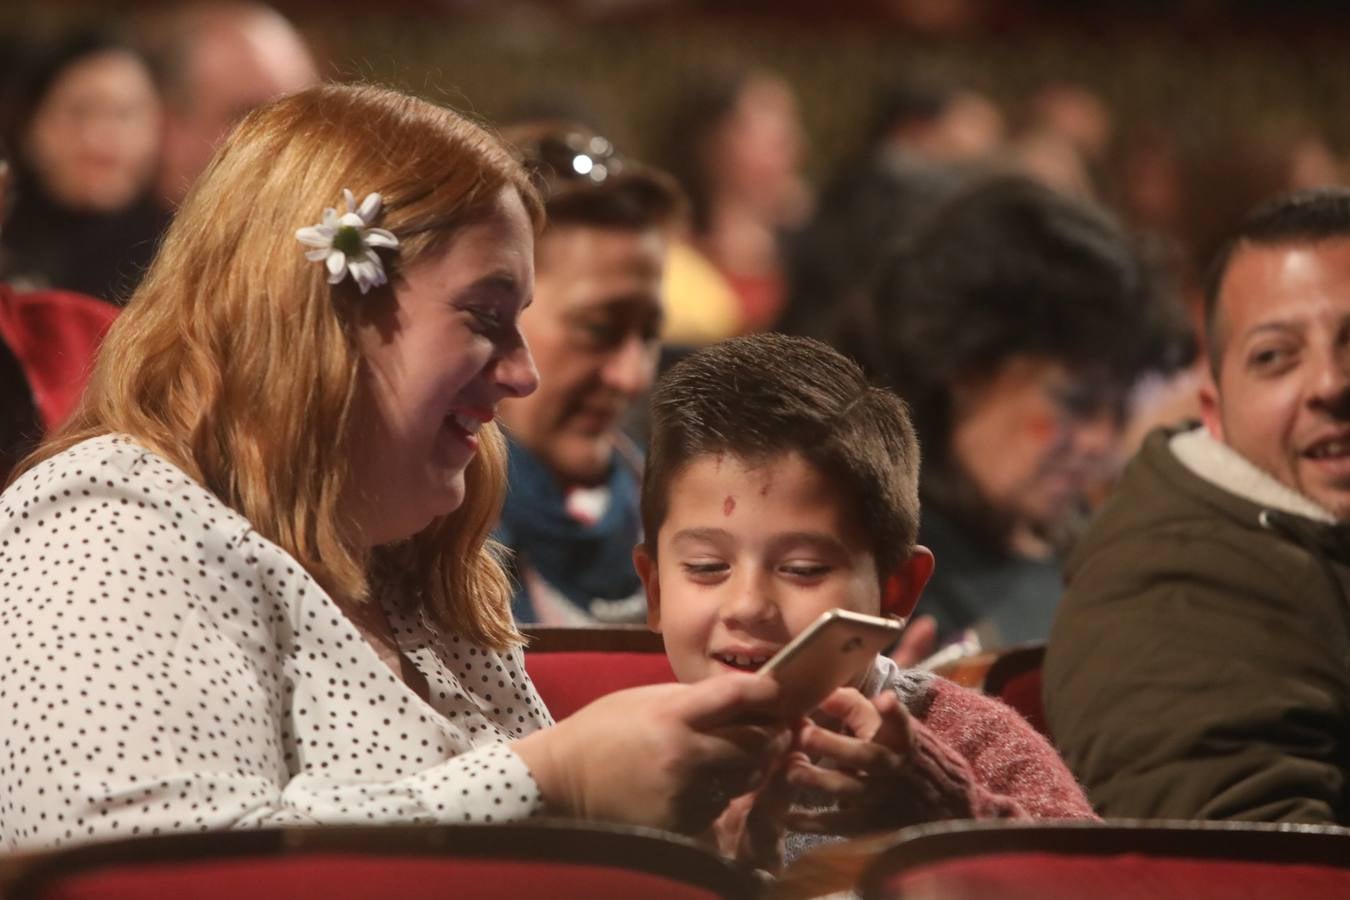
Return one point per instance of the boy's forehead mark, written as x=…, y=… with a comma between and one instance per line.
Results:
x=728, y=505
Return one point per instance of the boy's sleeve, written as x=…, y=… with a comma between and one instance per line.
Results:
x=975, y=757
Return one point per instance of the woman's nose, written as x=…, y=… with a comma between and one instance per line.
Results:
x=516, y=371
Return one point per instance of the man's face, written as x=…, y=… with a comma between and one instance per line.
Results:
x=594, y=329
x=231, y=70
x=1282, y=398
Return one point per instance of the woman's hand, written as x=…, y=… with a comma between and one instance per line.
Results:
x=670, y=756
x=872, y=778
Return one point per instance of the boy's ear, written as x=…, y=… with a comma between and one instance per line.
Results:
x=651, y=582
x=901, y=591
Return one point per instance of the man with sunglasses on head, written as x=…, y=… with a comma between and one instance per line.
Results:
x=571, y=514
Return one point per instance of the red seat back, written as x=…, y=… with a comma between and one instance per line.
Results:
x=1015, y=678
x=1114, y=860
x=570, y=667
x=558, y=859
x=568, y=681
x=1046, y=876
x=339, y=877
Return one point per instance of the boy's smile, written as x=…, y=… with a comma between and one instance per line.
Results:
x=749, y=555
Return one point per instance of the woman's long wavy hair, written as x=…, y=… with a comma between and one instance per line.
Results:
x=237, y=361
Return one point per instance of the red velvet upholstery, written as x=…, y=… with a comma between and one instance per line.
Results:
x=569, y=680
x=1113, y=860
x=54, y=335
x=1045, y=876
x=570, y=667
x=1023, y=693
x=555, y=859
x=1015, y=678
x=336, y=877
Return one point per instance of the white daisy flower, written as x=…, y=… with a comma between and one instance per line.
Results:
x=346, y=243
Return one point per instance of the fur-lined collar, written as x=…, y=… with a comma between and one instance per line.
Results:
x=1221, y=465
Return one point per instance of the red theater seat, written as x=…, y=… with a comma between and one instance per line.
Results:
x=553, y=859
x=570, y=667
x=1015, y=678
x=1119, y=860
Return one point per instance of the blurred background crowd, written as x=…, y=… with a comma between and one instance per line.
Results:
x=1004, y=209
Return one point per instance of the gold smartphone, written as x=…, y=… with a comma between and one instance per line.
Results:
x=836, y=650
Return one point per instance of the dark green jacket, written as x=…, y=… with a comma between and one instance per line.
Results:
x=1199, y=666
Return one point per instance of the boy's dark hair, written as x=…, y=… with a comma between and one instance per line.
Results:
x=766, y=395
x=613, y=191
x=1299, y=217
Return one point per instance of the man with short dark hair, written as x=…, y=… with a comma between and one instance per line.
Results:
x=571, y=514
x=1200, y=664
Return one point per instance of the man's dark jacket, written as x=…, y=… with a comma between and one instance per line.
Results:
x=1200, y=663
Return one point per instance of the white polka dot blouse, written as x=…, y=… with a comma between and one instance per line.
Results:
x=163, y=668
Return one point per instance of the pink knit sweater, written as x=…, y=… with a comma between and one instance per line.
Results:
x=976, y=758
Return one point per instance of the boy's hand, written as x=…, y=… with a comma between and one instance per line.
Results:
x=751, y=829
x=872, y=759
x=917, y=642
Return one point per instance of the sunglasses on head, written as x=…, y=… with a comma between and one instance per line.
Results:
x=573, y=156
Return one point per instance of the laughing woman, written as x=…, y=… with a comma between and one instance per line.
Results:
x=250, y=584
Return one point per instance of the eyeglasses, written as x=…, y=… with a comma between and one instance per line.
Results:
x=573, y=156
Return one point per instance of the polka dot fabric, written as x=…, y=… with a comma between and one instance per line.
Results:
x=163, y=668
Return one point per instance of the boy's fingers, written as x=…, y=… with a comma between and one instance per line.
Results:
x=775, y=796
x=829, y=781
x=895, y=729
x=849, y=752
x=853, y=710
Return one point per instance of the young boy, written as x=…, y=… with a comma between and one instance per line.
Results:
x=780, y=484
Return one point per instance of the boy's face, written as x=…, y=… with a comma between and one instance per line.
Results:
x=747, y=557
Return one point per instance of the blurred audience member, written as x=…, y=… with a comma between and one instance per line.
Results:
x=83, y=127
x=1198, y=665
x=571, y=514
x=1076, y=114
x=1151, y=193
x=1065, y=139
x=923, y=142
x=1055, y=161
x=217, y=61
x=735, y=144
x=870, y=206
x=1014, y=323
x=47, y=344
x=1222, y=188
x=937, y=123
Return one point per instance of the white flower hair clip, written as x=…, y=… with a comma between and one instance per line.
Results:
x=346, y=243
